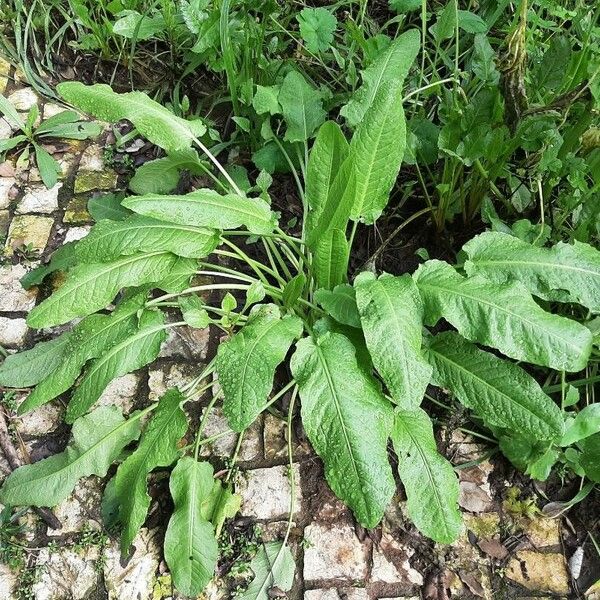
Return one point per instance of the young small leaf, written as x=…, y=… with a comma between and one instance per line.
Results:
x=585, y=424
x=348, y=422
x=157, y=448
x=293, y=289
x=391, y=313
x=207, y=208
x=246, y=363
x=193, y=312
x=429, y=480
x=98, y=439
x=503, y=316
x=317, y=26
x=191, y=548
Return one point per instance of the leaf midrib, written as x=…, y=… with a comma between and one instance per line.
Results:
x=536, y=263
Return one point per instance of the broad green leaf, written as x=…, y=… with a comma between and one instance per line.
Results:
x=62, y=258
x=391, y=66
x=317, y=26
x=89, y=339
x=134, y=352
x=590, y=457
x=90, y=287
x=330, y=260
x=191, y=548
x=152, y=120
x=98, y=439
x=503, y=316
x=161, y=176
x=565, y=272
x=348, y=422
x=110, y=239
x=391, y=313
x=247, y=361
x=340, y=303
x=429, y=480
x=500, y=392
x=273, y=568
x=135, y=26
x=28, y=368
x=302, y=107
x=107, y=206
x=157, y=448
x=377, y=149
x=585, y=424
x=326, y=157
x=207, y=208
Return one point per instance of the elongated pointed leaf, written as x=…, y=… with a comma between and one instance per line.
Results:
x=340, y=303
x=302, y=107
x=502, y=316
x=330, y=260
x=585, y=424
x=207, y=208
x=155, y=122
x=62, y=259
x=191, y=548
x=565, y=272
x=501, y=393
x=90, y=338
x=28, y=368
x=90, y=287
x=273, y=568
x=326, y=157
x=429, y=480
x=377, y=149
x=246, y=363
x=348, y=421
x=391, y=65
x=110, y=239
x=391, y=313
x=157, y=448
x=98, y=439
x=134, y=352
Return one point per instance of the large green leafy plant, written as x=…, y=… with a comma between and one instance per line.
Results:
x=361, y=354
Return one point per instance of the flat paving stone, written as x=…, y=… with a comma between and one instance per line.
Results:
x=12, y=332
x=39, y=199
x=6, y=184
x=28, y=230
x=334, y=552
x=13, y=297
x=23, y=99
x=266, y=493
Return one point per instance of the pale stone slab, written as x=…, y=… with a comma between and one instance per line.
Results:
x=6, y=184
x=334, y=552
x=539, y=572
x=66, y=573
x=266, y=493
x=13, y=296
x=23, y=99
x=12, y=332
x=39, y=199
x=77, y=233
x=29, y=230
x=135, y=579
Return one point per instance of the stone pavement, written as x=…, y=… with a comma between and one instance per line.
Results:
x=336, y=559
